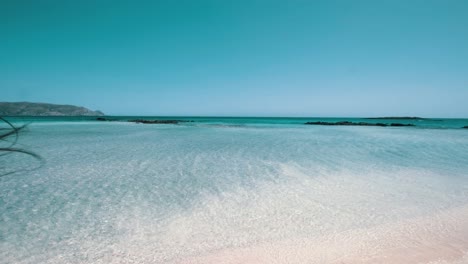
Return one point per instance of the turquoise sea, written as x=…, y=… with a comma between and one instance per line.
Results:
x=255, y=121
x=235, y=190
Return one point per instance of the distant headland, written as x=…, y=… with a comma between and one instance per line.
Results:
x=44, y=109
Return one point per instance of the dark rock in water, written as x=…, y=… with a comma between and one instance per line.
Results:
x=465, y=127
x=348, y=123
x=320, y=123
x=143, y=121
x=400, y=125
x=381, y=124
x=104, y=119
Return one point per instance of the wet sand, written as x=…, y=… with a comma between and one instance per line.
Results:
x=440, y=238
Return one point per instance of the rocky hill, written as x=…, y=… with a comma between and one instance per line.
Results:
x=43, y=109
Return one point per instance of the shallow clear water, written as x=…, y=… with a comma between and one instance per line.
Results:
x=124, y=192
x=439, y=123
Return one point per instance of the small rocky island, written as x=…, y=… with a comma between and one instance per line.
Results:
x=43, y=109
x=348, y=123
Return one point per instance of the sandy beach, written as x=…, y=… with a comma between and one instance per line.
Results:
x=436, y=239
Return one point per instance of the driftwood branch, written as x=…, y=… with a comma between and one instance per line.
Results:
x=13, y=131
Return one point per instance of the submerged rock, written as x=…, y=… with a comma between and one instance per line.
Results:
x=104, y=119
x=465, y=127
x=400, y=125
x=144, y=121
x=348, y=123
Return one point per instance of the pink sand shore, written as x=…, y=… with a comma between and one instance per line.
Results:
x=440, y=238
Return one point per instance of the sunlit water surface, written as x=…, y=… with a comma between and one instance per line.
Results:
x=117, y=192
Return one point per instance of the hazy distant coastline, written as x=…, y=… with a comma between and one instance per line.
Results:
x=398, y=117
x=44, y=109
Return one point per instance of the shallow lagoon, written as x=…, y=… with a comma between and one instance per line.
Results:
x=234, y=191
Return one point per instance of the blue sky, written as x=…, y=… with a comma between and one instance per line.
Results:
x=238, y=58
